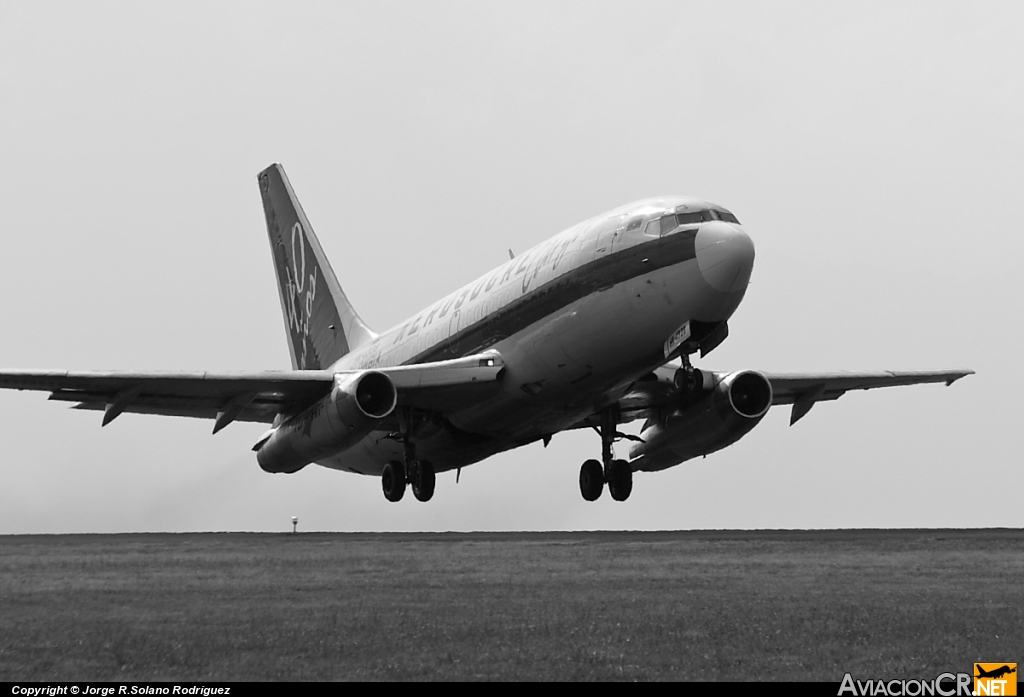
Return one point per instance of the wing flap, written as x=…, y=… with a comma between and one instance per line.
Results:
x=262, y=411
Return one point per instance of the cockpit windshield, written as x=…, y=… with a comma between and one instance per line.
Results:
x=667, y=223
x=691, y=217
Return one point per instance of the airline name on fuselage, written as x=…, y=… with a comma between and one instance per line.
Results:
x=528, y=266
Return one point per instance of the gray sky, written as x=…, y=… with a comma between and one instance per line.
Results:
x=874, y=152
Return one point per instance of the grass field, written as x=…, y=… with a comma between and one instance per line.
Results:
x=558, y=606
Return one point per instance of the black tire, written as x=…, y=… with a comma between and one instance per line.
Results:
x=620, y=480
x=423, y=481
x=689, y=382
x=393, y=481
x=591, y=480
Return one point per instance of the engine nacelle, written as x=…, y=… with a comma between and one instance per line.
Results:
x=354, y=406
x=735, y=404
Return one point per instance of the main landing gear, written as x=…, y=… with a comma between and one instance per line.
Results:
x=419, y=473
x=617, y=473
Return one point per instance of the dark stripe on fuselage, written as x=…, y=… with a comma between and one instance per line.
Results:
x=599, y=274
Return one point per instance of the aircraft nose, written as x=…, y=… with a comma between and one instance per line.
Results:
x=725, y=256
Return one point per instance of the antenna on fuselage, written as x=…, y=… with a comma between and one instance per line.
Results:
x=511, y=255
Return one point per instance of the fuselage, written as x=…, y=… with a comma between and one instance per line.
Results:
x=577, y=319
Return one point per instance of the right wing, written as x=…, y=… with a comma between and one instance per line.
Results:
x=254, y=396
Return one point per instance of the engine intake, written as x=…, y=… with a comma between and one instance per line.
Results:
x=750, y=394
x=375, y=395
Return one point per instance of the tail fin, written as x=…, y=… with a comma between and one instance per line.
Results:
x=321, y=324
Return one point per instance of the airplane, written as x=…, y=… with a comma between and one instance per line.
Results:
x=995, y=673
x=582, y=331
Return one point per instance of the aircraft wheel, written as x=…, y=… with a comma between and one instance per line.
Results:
x=688, y=381
x=423, y=480
x=620, y=480
x=393, y=481
x=591, y=480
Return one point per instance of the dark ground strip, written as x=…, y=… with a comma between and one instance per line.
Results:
x=709, y=605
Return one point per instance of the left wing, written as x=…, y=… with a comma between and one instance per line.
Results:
x=803, y=390
x=253, y=396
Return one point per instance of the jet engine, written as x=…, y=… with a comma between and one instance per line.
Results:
x=720, y=416
x=355, y=405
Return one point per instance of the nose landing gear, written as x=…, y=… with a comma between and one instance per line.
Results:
x=687, y=379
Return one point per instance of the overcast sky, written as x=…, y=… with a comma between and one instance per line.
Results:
x=874, y=152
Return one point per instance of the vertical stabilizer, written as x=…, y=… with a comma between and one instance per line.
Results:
x=321, y=324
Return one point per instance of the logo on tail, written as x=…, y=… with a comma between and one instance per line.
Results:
x=300, y=292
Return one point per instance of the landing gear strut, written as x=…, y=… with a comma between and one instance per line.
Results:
x=419, y=473
x=617, y=473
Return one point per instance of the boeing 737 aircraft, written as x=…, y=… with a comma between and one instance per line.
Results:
x=582, y=331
